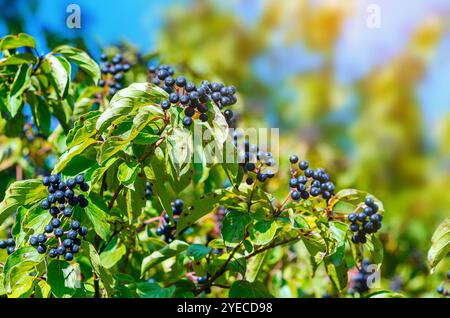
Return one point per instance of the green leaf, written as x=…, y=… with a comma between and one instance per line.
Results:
x=198, y=209
x=57, y=69
x=71, y=153
x=440, y=244
x=113, y=253
x=375, y=248
x=198, y=251
x=24, y=259
x=245, y=289
x=385, y=294
x=173, y=249
x=83, y=129
x=23, y=288
x=63, y=278
x=262, y=232
x=98, y=173
x=153, y=290
x=19, y=59
x=21, y=82
x=101, y=272
x=82, y=59
x=335, y=262
x=127, y=100
x=21, y=193
x=127, y=173
x=254, y=266
x=110, y=147
x=41, y=113
x=97, y=212
x=15, y=41
x=234, y=226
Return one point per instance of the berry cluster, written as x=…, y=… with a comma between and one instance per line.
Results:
x=358, y=281
x=9, y=244
x=165, y=228
x=306, y=182
x=112, y=73
x=194, y=99
x=256, y=164
x=441, y=289
x=59, y=202
x=368, y=221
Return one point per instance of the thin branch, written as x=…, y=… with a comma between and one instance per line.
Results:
x=219, y=272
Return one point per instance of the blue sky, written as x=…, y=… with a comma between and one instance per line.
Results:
x=358, y=51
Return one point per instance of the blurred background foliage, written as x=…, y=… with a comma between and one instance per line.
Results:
x=370, y=105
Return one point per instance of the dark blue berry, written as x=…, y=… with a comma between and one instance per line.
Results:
x=295, y=195
x=59, y=232
x=368, y=210
x=71, y=183
x=52, y=253
x=73, y=201
x=59, y=195
x=162, y=74
x=228, y=114
x=46, y=181
x=34, y=241
x=352, y=217
x=72, y=234
x=75, y=248
x=83, y=231
x=180, y=81
x=187, y=121
x=10, y=242
x=250, y=166
x=79, y=179
x=69, y=193
x=42, y=238
x=293, y=182
x=354, y=227
x=60, y=250
x=51, y=188
x=41, y=248
x=75, y=225
x=67, y=212
x=84, y=187
x=67, y=243
x=55, y=222
x=54, y=179
x=190, y=87
x=361, y=216
x=45, y=205
x=261, y=177
x=309, y=173
x=369, y=201
x=293, y=159
x=68, y=256
x=174, y=98
x=315, y=191
x=48, y=228
x=303, y=165
x=189, y=111
x=216, y=96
